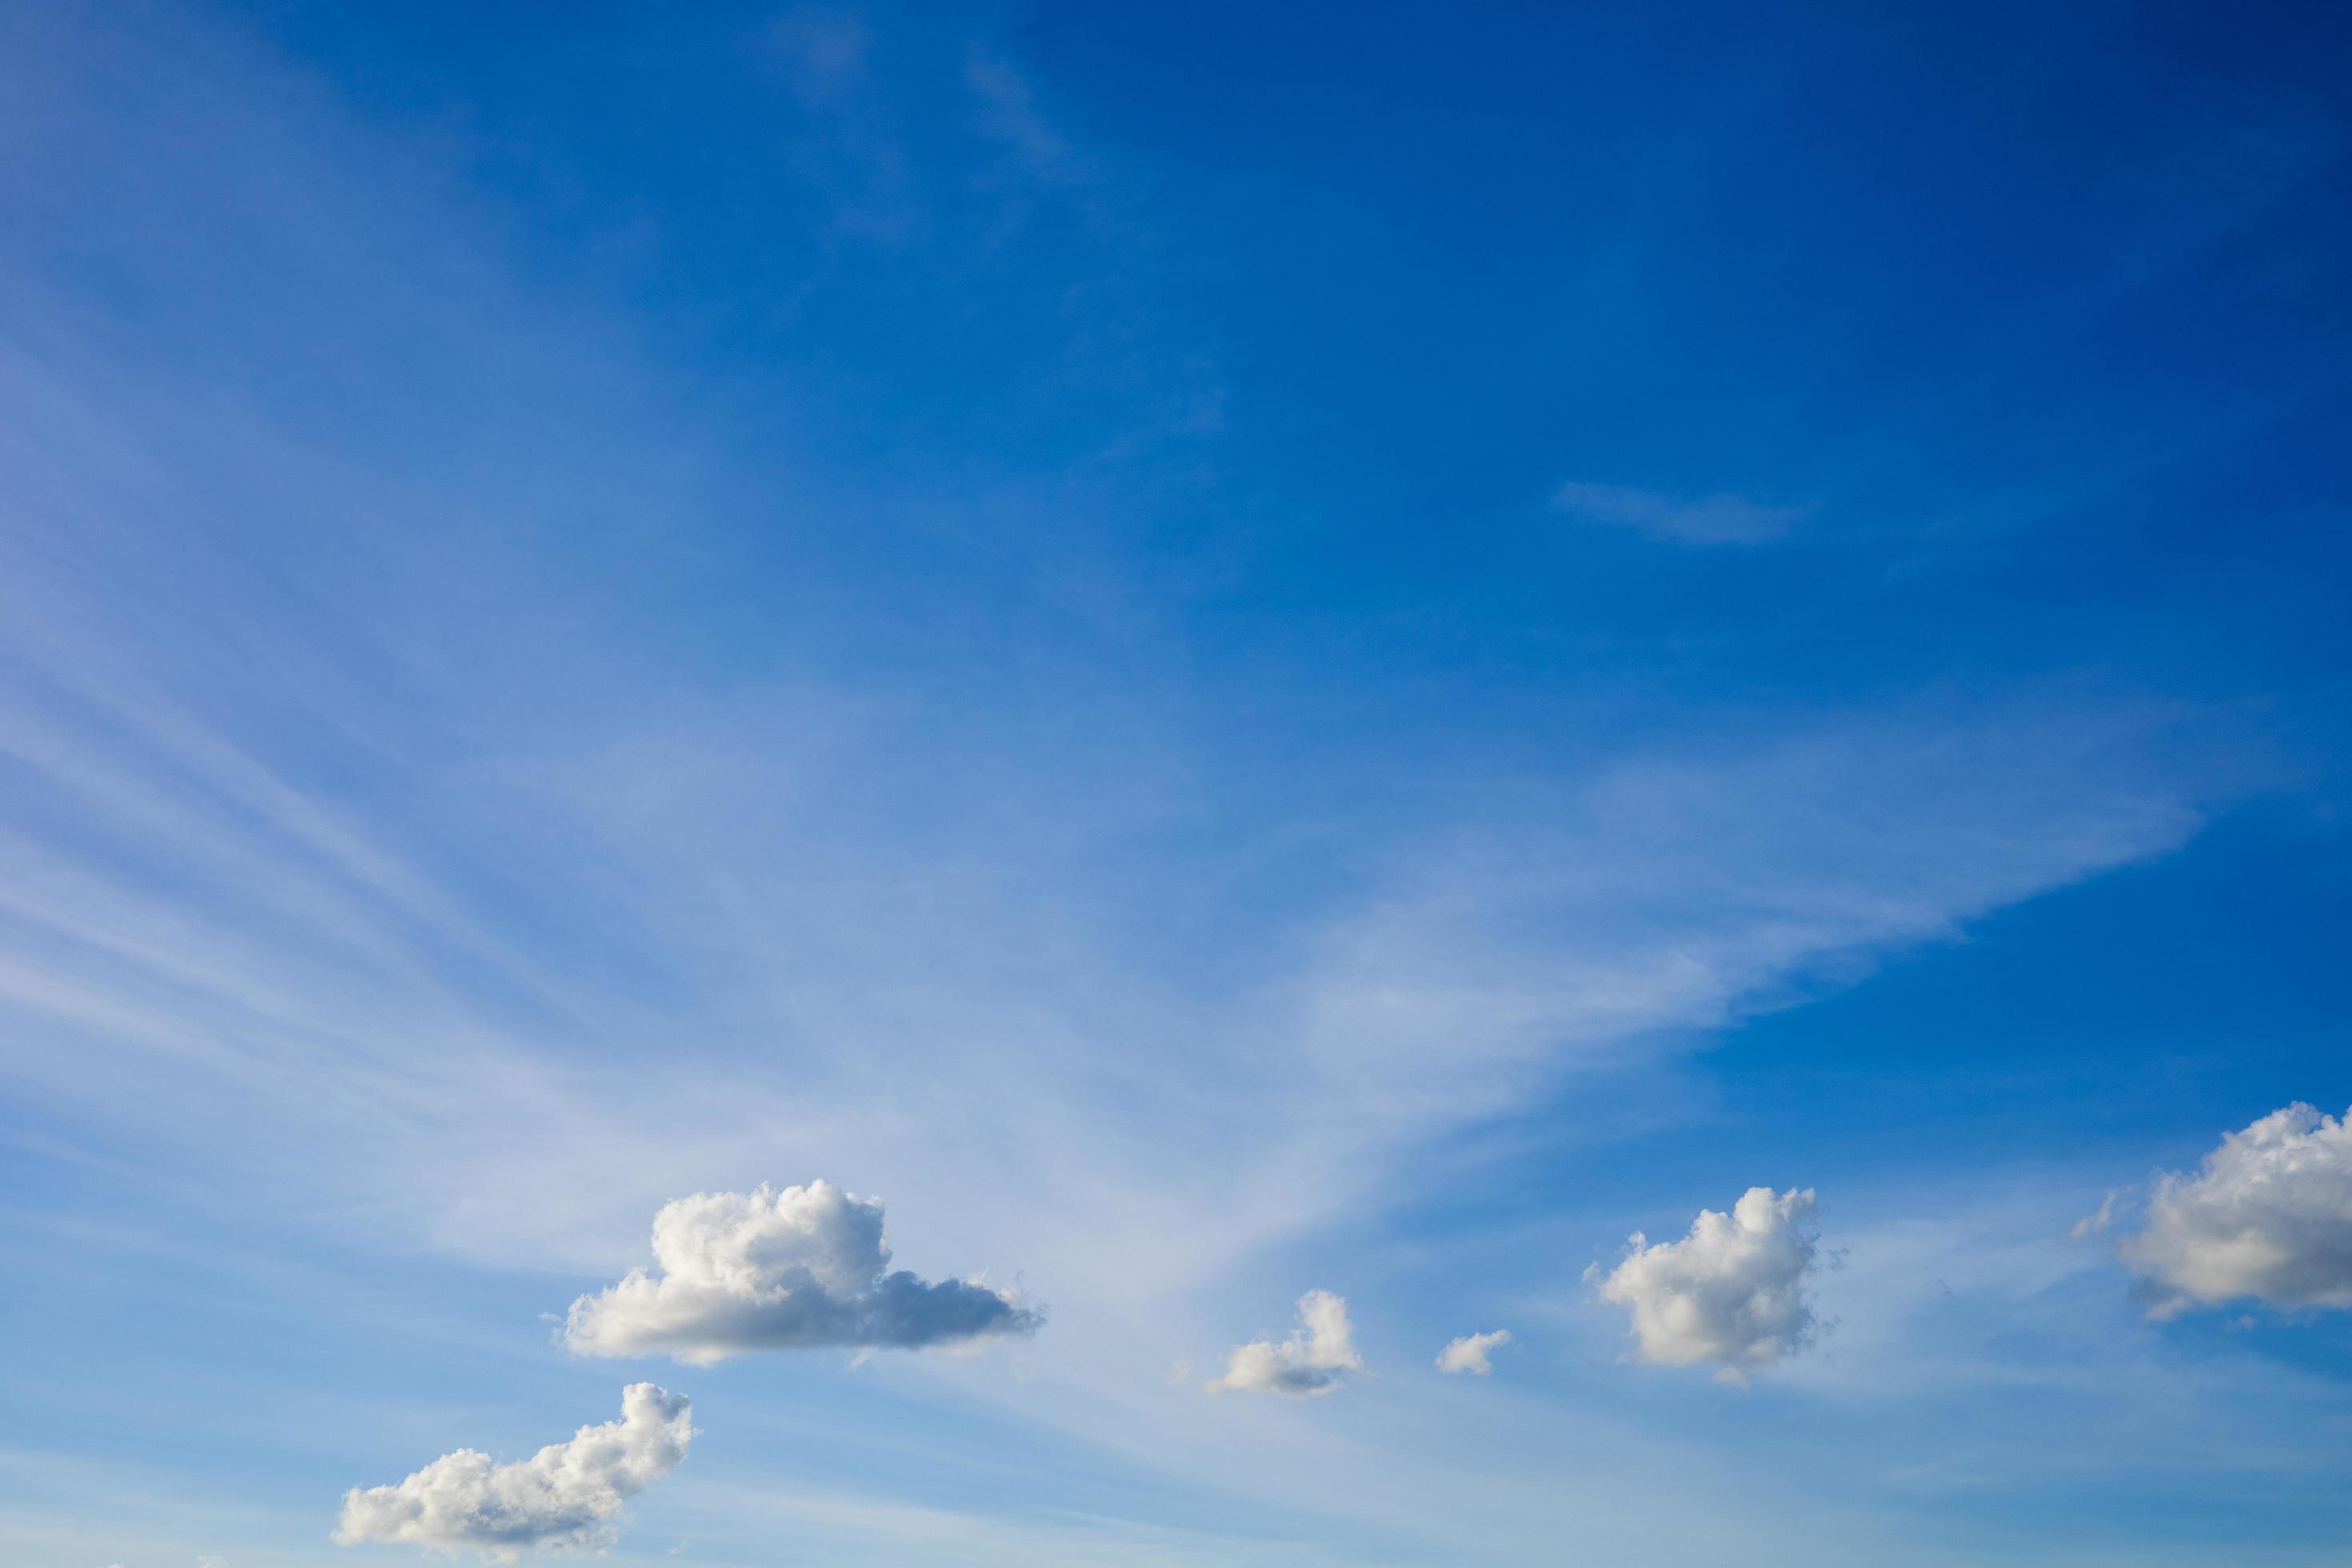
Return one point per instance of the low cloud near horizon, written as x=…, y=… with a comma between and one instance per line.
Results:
x=569, y=1495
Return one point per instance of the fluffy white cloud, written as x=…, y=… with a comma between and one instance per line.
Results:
x=568, y=1494
x=1314, y=1359
x=1733, y=1291
x=1468, y=1353
x=2268, y=1216
x=795, y=1270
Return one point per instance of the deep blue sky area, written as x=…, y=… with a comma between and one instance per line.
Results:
x=823, y=784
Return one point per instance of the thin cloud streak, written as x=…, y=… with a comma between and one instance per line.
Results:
x=558, y=943
x=1705, y=519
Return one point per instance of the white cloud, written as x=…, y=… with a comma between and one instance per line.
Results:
x=1316, y=1358
x=2098, y=1222
x=1468, y=1353
x=2268, y=1216
x=795, y=1270
x=569, y=1494
x=1708, y=520
x=833, y=894
x=1733, y=1291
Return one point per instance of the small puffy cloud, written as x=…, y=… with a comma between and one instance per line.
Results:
x=1733, y=1291
x=801, y=1269
x=569, y=1494
x=1316, y=1358
x=1707, y=520
x=1468, y=1353
x=2267, y=1216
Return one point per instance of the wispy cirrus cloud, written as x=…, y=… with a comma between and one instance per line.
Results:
x=499, y=917
x=1717, y=519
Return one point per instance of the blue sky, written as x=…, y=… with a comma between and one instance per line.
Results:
x=1221, y=656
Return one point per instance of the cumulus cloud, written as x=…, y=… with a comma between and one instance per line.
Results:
x=796, y=1270
x=1468, y=1353
x=1733, y=1291
x=569, y=1494
x=2267, y=1216
x=1316, y=1358
x=1708, y=520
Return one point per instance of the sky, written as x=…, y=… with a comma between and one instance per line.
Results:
x=1001, y=784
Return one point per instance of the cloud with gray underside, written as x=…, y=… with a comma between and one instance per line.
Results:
x=569, y=1496
x=1732, y=1294
x=2266, y=1216
x=1317, y=1358
x=803, y=1268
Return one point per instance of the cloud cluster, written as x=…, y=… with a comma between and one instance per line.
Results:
x=2267, y=1216
x=1316, y=1358
x=1731, y=1292
x=795, y=1269
x=569, y=1494
x=1468, y=1353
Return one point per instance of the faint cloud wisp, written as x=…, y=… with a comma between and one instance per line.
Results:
x=1718, y=519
